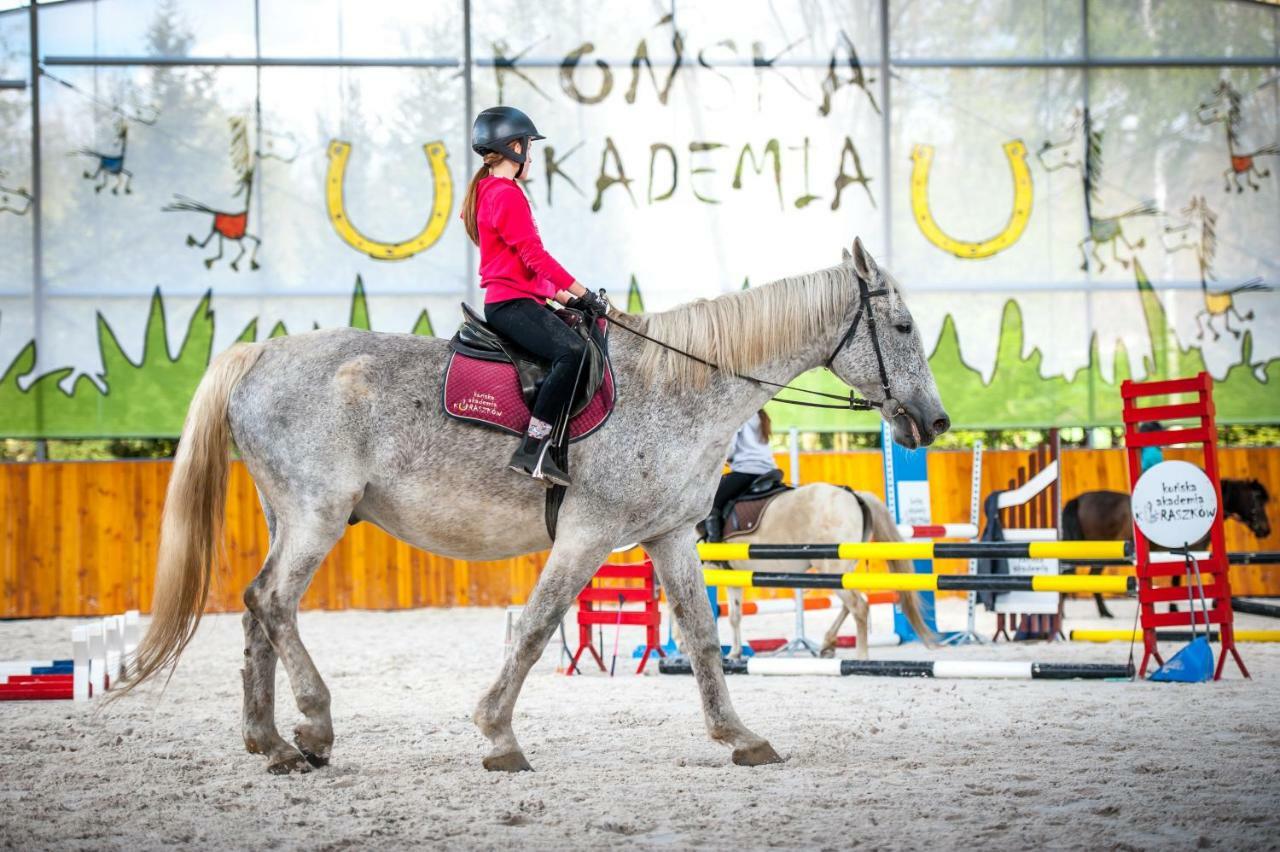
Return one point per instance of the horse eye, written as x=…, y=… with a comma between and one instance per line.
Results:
x=903, y=327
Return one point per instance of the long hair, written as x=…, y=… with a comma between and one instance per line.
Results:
x=766, y=426
x=469, y=202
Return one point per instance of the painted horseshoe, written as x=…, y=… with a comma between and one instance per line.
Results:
x=1016, y=152
x=336, y=205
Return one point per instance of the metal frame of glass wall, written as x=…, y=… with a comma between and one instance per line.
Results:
x=467, y=63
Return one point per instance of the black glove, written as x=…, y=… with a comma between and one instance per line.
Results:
x=590, y=303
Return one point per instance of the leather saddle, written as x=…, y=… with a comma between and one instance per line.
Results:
x=477, y=339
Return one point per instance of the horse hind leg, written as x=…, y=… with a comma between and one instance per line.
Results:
x=302, y=541
x=734, y=594
x=192, y=241
x=569, y=567
x=846, y=609
x=675, y=558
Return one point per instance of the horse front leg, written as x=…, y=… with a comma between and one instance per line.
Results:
x=235, y=264
x=570, y=566
x=846, y=609
x=253, y=255
x=1103, y=612
x=675, y=557
x=126, y=177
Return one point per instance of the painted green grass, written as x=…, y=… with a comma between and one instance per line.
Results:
x=149, y=398
x=1019, y=396
x=144, y=399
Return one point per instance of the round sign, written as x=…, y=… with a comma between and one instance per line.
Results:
x=1174, y=504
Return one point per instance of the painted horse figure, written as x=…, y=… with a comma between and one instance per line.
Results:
x=1103, y=230
x=227, y=226
x=111, y=165
x=1203, y=221
x=9, y=194
x=1224, y=108
x=1106, y=516
x=824, y=512
x=343, y=423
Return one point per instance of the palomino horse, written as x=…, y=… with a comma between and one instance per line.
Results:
x=824, y=512
x=341, y=424
x=1106, y=516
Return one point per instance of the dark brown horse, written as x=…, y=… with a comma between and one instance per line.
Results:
x=1105, y=516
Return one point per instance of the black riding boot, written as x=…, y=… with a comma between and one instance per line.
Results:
x=533, y=457
x=713, y=527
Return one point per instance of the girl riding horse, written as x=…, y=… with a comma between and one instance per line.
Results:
x=518, y=276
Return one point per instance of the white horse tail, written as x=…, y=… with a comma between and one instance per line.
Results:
x=884, y=528
x=191, y=526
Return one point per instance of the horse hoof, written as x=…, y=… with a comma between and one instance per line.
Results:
x=512, y=761
x=316, y=752
x=191, y=241
x=289, y=764
x=253, y=264
x=236, y=267
x=208, y=264
x=827, y=653
x=759, y=754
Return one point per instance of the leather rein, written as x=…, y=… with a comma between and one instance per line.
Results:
x=852, y=402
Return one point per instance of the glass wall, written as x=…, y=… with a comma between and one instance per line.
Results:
x=1072, y=191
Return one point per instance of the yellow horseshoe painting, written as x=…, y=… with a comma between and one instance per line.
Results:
x=1016, y=152
x=335, y=203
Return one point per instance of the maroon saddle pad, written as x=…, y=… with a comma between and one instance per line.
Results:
x=488, y=392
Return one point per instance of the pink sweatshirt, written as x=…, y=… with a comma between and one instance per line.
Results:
x=513, y=263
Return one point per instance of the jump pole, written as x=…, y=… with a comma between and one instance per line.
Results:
x=942, y=669
x=1170, y=635
x=913, y=550
x=881, y=582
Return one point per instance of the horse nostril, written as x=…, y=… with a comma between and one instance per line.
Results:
x=941, y=425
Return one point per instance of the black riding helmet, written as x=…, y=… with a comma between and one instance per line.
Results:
x=497, y=127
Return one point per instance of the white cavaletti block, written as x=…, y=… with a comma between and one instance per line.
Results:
x=113, y=635
x=97, y=658
x=80, y=660
x=132, y=635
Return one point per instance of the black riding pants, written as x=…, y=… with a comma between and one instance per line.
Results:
x=731, y=485
x=538, y=330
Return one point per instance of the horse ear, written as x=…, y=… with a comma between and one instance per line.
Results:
x=845, y=257
x=863, y=263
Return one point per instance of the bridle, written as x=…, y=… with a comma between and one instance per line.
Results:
x=851, y=403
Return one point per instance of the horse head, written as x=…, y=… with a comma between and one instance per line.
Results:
x=1246, y=501
x=1054, y=155
x=1223, y=107
x=887, y=336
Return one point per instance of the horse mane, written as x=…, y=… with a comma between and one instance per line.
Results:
x=740, y=331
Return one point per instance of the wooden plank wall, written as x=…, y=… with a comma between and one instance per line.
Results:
x=79, y=538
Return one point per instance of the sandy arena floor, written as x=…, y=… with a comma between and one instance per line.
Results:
x=873, y=763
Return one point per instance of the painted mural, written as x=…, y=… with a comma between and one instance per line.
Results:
x=1058, y=229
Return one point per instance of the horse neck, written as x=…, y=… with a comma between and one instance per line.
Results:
x=736, y=398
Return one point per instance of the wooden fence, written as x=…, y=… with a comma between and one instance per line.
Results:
x=79, y=538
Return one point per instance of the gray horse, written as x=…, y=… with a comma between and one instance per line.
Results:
x=343, y=424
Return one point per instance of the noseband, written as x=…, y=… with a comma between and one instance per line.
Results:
x=851, y=403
